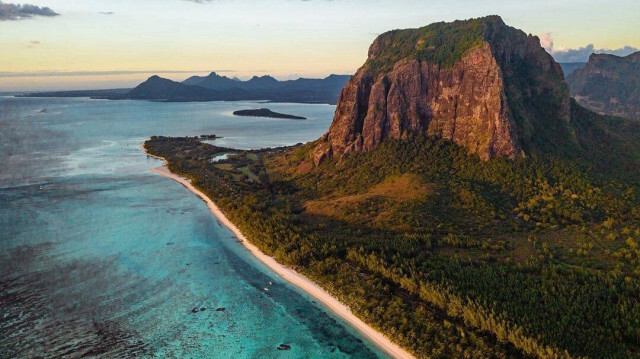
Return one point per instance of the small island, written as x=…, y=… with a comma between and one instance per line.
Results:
x=265, y=112
x=210, y=137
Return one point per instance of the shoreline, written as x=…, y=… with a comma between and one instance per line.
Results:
x=288, y=274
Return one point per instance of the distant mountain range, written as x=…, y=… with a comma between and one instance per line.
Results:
x=221, y=88
x=609, y=84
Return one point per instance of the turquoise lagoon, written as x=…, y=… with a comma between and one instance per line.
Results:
x=99, y=257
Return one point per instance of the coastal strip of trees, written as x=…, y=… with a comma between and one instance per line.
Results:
x=535, y=257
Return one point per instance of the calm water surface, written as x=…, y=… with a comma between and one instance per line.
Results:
x=101, y=258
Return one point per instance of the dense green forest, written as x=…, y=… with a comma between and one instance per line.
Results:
x=448, y=255
x=439, y=43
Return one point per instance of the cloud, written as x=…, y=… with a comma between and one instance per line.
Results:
x=546, y=41
x=106, y=13
x=580, y=54
x=23, y=11
x=33, y=44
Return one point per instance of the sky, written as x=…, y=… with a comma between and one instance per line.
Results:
x=82, y=44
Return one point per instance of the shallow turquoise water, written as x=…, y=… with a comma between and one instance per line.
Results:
x=100, y=257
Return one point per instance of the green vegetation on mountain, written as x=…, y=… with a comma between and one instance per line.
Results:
x=609, y=84
x=440, y=43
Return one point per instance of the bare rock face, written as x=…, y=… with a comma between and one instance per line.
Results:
x=408, y=87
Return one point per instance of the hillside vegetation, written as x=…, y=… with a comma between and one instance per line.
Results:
x=449, y=255
x=440, y=43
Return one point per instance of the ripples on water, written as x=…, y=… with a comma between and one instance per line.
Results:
x=101, y=258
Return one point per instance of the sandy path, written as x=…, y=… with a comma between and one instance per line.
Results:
x=292, y=276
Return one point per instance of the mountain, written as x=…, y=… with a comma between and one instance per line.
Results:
x=461, y=202
x=221, y=88
x=216, y=82
x=212, y=81
x=609, y=84
x=480, y=83
x=570, y=67
x=158, y=88
x=266, y=87
x=263, y=82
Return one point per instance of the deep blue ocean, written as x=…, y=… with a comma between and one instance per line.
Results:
x=99, y=257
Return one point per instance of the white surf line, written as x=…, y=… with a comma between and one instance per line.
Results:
x=291, y=276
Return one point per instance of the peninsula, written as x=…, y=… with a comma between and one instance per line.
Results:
x=265, y=112
x=461, y=202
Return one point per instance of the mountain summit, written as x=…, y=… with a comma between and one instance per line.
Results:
x=480, y=83
x=158, y=88
x=213, y=81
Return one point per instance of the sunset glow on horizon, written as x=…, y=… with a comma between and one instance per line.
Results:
x=283, y=38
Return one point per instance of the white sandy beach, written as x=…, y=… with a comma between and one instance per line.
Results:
x=292, y=276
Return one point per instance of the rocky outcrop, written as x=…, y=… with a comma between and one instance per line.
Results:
x=442, y=81
x=609, y=84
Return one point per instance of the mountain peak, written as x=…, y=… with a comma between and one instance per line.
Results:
x=214, y=75
x=263, y=78
x=158, y=88
x=156, y=80
x=264, y=82
x=480, y=83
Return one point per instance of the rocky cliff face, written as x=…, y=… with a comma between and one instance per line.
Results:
x=609, y=85
x=478, y=83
